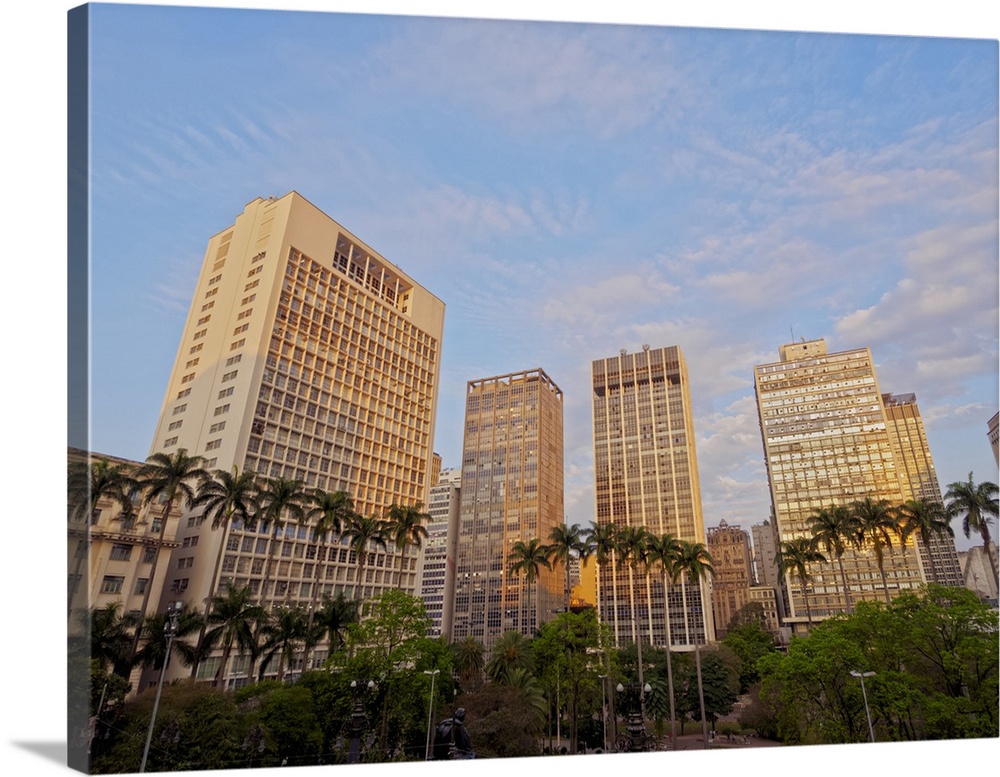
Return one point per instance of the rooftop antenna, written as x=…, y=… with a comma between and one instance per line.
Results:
x=791, y=332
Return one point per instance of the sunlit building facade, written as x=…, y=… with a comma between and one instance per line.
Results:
x=646, y=474
x=732, y=561
x=439, y=550
x=827, y=441
x=305, y=355
x=511, y=491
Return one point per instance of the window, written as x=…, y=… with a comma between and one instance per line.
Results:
x=214, y=279
x=204, y=319
x=199, y=334
x=121, y=552
x=251, y=285
x=233, y=359
x=196, y=348
x=179, y=585
x=226, y=392
x=211, y=293
x=248, y=300
x=181, y=408
x=208, y=306
x=149, y=555
x=186, y=562
x=169, y=441
x=188, y=378
x=222, y=409
x=140, y=585
x=174, y=425
x=190, y=542
x=238, y=344
x=112, y=584
x=254, y=271
x=192, y=362
x=184, y=393
x=241, y=329
x=211, y=445
x=230, y=375
x=217, y=427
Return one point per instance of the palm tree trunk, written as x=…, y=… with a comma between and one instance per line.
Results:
x=930, y=560
x=985, y=533
x=805, y=598
x=220, y=675
x=843, y=581
x=670, y=670
x=701, y=692
x=313, y=603
x=149, y=584
x=213, y=584
x=881, y=570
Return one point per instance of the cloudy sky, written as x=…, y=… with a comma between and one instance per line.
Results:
x=569, y=190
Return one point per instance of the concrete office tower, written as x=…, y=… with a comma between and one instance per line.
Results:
x=826, y=442
x=512, y=489
x=646, y=474
x=733, y=576
x=305, y=355
x=438, y=554
x=914, y=463
x=765, y=550
x=993, y=432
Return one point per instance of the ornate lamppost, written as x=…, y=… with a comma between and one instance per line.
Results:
x=635, y=737
x=170, y=630
x=358, y=719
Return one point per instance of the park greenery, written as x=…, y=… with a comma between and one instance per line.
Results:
x=932, y=651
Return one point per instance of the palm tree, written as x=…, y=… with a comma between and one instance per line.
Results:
x=224, y=497
x=469, y=657
x=362, y=532
x=89, y=482
x=166, y=478
x=110, y=639
x=695, y=560
x=665, y=551
x=527, y=558
x=234, y=614
x=794, y=557
x=282, y=636
x=977, y=504
x=279, y=499
x=833, y=528
x=332, y=619
x=631, y=548
x=405, y=525
x=875, y=523
x=154, y=650
x=330, y=511
x=511, y=651
x=566, y=542
x=599, y=542
x=926, y=519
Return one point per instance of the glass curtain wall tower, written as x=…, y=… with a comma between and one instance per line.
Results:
x=646, y=474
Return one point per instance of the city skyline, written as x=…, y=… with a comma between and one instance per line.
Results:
x=570, y=191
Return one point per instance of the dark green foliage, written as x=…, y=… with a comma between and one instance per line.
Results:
x=749, y=642
x=720, y=682
x=501, y=722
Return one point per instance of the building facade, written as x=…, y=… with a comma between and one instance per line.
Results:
x=511, y=491
x=827, y=441
x=305, y=355
x=939, y=559
x=993, y=433
x=732, y=558
x=646, y=474
x=439, y=552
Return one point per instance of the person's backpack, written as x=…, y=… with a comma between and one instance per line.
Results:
x=442, y=740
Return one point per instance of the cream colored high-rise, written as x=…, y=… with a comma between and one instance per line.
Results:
x=827, y=442
x=646, y=474
x=305, y=355
x=512, y=490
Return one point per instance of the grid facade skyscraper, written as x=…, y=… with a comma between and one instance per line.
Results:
x=512, y=490
x=913, y=457
x=827, y=442
x=646, y=474
x=305, y=355
x=438, y=553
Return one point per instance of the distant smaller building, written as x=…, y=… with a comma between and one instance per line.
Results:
x=729, y=547
x=766, y=596
x=977, y=572
x=436, y=571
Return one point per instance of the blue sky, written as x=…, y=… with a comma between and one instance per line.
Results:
x=570, y=190
x=801, y=160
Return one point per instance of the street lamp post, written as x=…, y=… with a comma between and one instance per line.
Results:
x=635, y=737
x=170, y=630
x=604, y=709
x=861, y=676
x=357, y=720
x=430, y=713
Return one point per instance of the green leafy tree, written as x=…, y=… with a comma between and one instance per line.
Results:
x=717, y=689
x=794, y=557
x=502, y=722
x=750, y=642
x=976, y=504
x=292, y=728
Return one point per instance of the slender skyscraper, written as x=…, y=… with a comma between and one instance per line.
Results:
x=439, y=550
x=512, y=490
x=646, y=474
x=305, y=355
x=827, y=442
